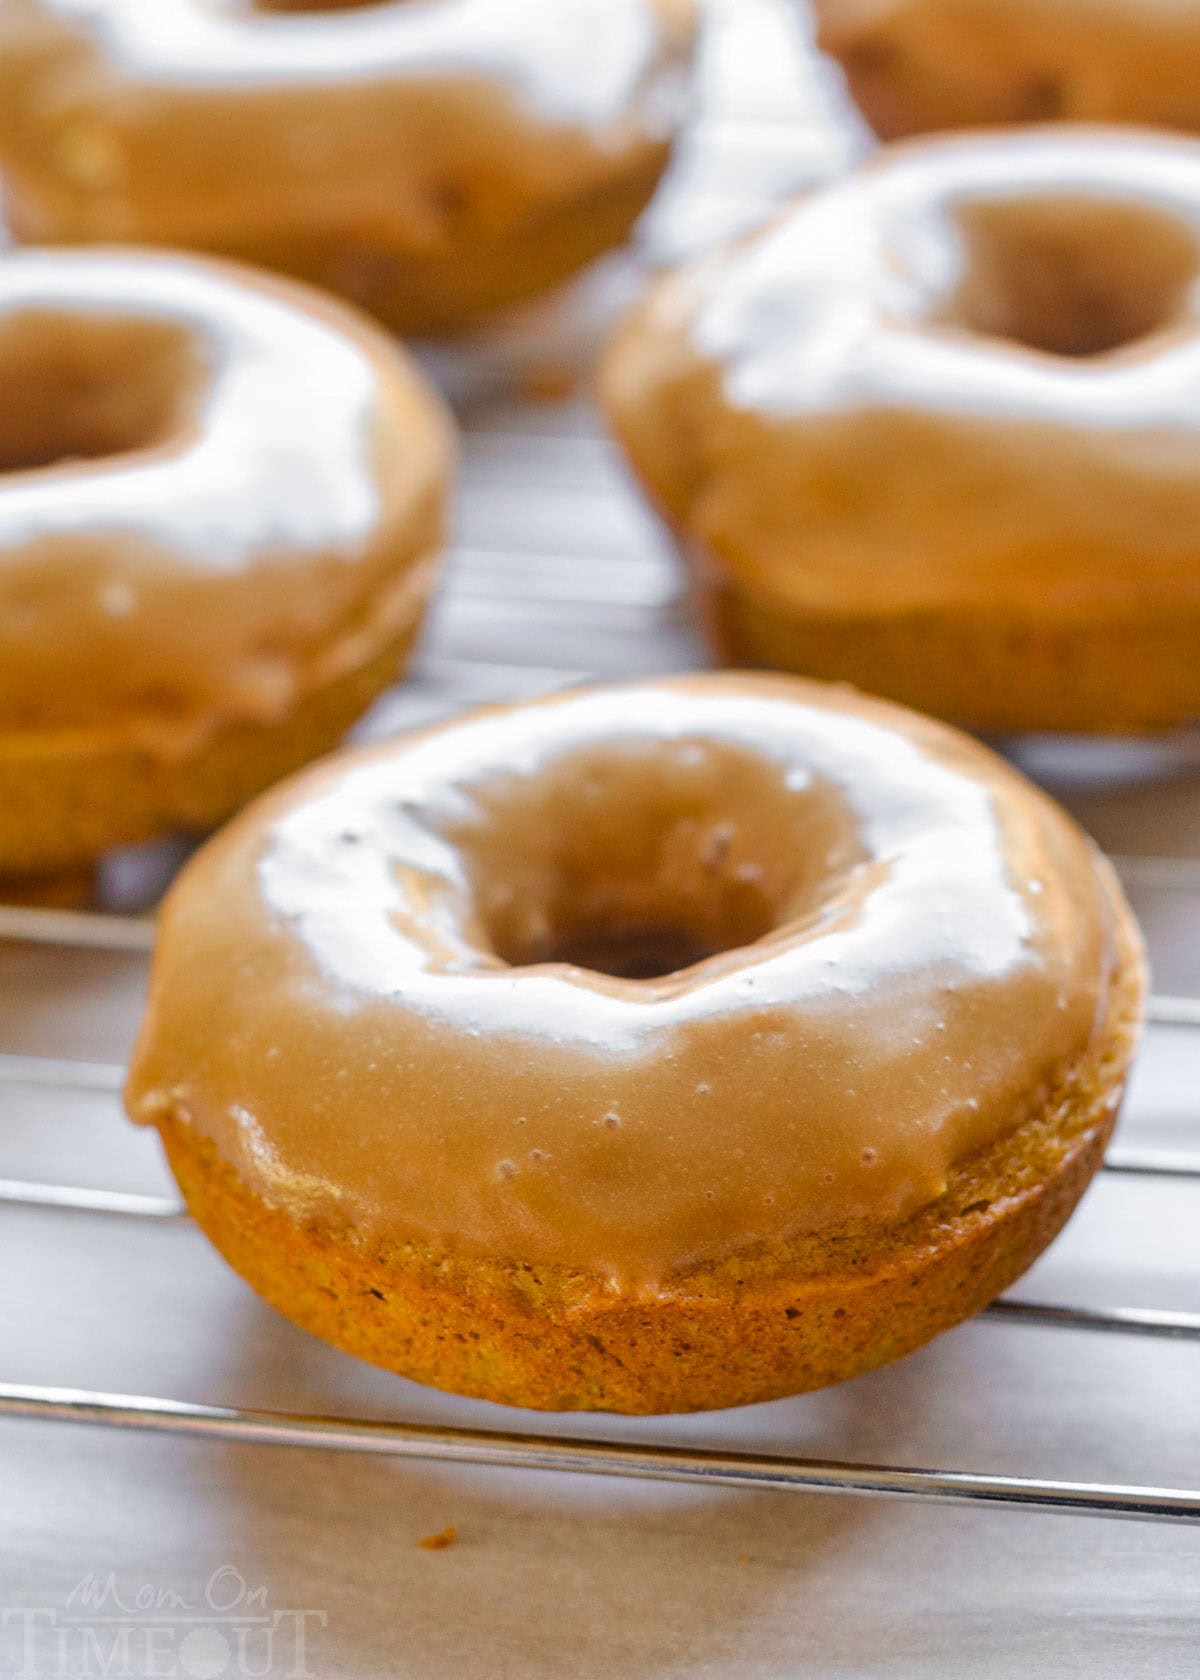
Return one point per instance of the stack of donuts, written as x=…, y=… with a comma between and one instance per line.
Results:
x=652, y=1047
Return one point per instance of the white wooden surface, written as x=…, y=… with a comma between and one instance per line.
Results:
x=558, y=572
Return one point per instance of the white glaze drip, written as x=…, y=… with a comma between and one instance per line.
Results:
x=835, y=307
x=273, y=454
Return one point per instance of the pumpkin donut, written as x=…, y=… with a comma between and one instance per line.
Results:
x=220, y=512
x=428, y=159
x=647, y=1049
x=934, y=430
x=914, y=66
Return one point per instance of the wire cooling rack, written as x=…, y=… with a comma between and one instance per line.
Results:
x=518, y=600
x=558, y=575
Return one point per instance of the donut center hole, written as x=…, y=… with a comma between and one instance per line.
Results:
x=628, y=953
x=1073, y=277
x=639, y=863
x=88, y=388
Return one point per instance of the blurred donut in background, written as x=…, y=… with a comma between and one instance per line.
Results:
x=430, y=161
x=914, y=66
x=935, y=429
x=221, y=506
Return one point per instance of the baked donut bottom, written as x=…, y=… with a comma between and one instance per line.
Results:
x=761, y=1324
x=466, y=277
x=988, y=671
x=68, y=796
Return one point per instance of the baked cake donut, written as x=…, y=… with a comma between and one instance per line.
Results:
x=914, y=66
x=935, y=429
x=220, y=510
x=429, y=159
x=648, y=1048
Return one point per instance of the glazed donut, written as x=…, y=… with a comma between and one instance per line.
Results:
x=935, y=430
x=650, y=1048
x=914, y=66
x=429, y=159
x=220, y=509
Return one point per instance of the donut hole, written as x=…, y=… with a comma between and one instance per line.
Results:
x=611, y=930
x=640, y=863
x=89, y=388
x=1072, y=277
x=632, y=953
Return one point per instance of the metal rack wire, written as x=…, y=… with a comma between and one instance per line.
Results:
x=448, y=682
x=547, y=1452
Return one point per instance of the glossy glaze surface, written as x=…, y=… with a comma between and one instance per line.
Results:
x=330, y=144
x=967, y=373
x=550, y=54
x=363, y=992
x=216, y=490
